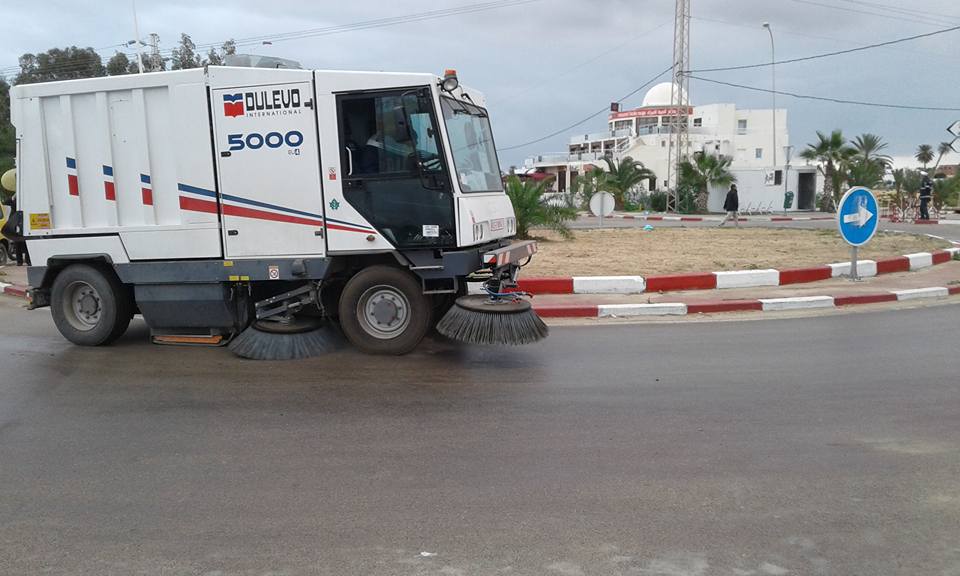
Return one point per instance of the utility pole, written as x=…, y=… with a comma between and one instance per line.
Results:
x=680, y=103
x=154, y=61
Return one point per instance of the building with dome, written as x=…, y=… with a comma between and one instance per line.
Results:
x=745, y=136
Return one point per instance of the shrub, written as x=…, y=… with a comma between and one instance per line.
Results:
x=658, y=201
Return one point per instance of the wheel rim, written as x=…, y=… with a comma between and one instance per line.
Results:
x=82, y=306
x=383, y=312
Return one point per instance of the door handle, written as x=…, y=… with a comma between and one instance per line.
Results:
x=226, y=154
x=233, y=232
x=349, y=161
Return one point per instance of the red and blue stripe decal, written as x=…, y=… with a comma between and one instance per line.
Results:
x=202, y=200
x=146, y=190
x=73, y=185
x=109, y=188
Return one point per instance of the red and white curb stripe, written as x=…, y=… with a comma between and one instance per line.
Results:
x=718, y=306
x=731, y=279
x=13, y=290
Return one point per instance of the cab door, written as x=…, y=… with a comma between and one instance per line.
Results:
x=270, y=194
x=392, y=173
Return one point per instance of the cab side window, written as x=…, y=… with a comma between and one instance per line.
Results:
x=377, y=139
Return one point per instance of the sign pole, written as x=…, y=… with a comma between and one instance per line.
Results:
x=853, y=263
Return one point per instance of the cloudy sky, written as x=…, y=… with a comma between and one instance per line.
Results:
x=546, y=64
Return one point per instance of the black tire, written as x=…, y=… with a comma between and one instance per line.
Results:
x=6, y=254
x=383, y=311
x=90, y=307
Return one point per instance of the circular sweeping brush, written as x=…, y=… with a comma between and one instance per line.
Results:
x=301, y=337
x=479, y=319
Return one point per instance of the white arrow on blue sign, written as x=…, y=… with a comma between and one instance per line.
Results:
x=858, y=216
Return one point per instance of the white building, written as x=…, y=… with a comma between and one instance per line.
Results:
x=746, y=136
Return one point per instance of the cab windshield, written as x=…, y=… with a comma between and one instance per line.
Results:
x=471, y=142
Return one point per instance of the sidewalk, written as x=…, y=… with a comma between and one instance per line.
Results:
x=13, y=280
x=936, y=282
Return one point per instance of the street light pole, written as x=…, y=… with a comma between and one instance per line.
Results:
x=136, y=35
x=773, y=69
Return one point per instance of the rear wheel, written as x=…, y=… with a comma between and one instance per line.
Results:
x=6, y=254
x=383, y=311
x=90, y=307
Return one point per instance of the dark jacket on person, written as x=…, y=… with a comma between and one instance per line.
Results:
x=732, y=202
x=926, y=188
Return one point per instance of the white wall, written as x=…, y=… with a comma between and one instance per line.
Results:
x=752, y=189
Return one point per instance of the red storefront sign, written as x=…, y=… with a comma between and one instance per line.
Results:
x=641, y=112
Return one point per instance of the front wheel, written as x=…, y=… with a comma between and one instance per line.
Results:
x=90, y=307
x=383, y=311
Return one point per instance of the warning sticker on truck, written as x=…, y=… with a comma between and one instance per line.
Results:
x=431, y=231
x=39, y=220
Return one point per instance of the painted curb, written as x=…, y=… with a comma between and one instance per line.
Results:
x=609, y=285
x=732, y=278
x=747, y=278
x=13, y=290
x=627, y=310
x=920, y=260
x=797, y=303
x=720, y=306
x=865, y=268
x=918, y=293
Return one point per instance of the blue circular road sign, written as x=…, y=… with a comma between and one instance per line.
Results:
x=858, y=216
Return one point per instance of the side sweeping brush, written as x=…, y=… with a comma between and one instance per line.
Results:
x=500, y=319
x=301, y=337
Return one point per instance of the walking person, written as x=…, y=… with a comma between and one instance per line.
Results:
x=926, y=194
x=731, y=205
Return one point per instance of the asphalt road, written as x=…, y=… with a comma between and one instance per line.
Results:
x=803, y=446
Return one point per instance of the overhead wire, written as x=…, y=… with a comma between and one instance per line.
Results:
x=588, y=118
x=827, y=98
x=830, y=54
x=327, y=30
x=905, y=11
x=899, y=18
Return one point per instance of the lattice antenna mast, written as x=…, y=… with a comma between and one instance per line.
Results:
x=680, y=102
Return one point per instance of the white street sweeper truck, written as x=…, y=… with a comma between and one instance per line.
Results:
x=254, y=205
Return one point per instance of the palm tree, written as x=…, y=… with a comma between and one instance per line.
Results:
x=943, y=149
x=532, y=209
x=924, y=154
x=868, y=147
x=705, y=171
x=863, y=172
x=832, y=153
x=624, y=176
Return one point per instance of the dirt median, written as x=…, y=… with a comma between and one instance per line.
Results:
x=677, y=250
